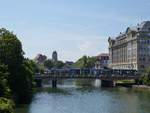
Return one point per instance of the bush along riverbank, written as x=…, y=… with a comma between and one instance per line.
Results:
x=6, y=105
x=141, y=87
x=144, y=80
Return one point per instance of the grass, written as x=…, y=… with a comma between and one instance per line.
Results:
x=125, y=81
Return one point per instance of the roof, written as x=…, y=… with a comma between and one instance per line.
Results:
x=138, y=27
x=103, y=54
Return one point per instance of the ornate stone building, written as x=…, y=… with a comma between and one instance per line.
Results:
x=131, y=49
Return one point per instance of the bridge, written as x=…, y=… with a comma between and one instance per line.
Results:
x=107, y=76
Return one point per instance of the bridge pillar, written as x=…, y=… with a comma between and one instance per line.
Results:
x=54, y=83
x=107, y=83
x=38, y=82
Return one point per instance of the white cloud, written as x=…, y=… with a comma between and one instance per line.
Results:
x=84, y=46
x=93, y=46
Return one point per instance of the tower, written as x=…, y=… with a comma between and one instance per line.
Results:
x=54, y=56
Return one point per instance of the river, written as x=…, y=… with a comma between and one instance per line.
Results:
x=71, y=98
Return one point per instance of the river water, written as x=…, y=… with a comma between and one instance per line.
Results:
x=71, y=98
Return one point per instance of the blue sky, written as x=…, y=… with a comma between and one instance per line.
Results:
x=71, y=27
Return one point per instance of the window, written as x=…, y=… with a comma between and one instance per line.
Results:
x=142, y=66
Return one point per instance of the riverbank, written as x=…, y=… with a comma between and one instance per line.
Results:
x=140, y=87
x=125, y=83
x=131, y=84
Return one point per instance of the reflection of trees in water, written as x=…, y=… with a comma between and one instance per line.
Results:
x=59, y=82
x=66, y=82
x=82, y=82
x=46, y=82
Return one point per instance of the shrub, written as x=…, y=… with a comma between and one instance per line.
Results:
x=6, y=105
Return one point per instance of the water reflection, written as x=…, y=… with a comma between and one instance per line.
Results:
x=90, y=100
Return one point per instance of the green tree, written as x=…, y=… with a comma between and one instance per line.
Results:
x=6, y=105
x=25, y=82
x=81, y=63
x=33, y=65
x=48, y=64
x=4, y=88
x=58, y=64
x=10, y=49
x=91, y=62
x=11, y=55
x=145, y=78
x=85, y=62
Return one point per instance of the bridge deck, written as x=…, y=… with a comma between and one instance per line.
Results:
x=87, y=77
x=103, y=74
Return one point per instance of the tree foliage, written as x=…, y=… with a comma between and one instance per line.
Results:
x=23, y=92
x=48, y=64
x=58, y=64
x=20, y=72
x=145, y=78
x=85, y=62
x=6, y=105
x=4, y=88
x=10, y=49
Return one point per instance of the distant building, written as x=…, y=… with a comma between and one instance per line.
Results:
x=102, y=61
x=40, y=58
x=54, y=56
x=68, y=64
x=131, y=49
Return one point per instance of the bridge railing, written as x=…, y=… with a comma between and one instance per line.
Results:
x=109, y=73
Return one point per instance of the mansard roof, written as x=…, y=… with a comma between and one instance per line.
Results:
x=144, y=26
x=139, y=27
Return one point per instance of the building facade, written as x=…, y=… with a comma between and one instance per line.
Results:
x=131, y=49
x=102, y=61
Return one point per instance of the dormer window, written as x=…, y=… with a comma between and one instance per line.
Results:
x=138, y=28
x=149, y=29
x=133, y=34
